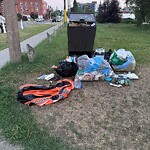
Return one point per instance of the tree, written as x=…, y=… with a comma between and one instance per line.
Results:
x=12, y=31
x=113, y=12
x=87, y=9
x=100, y=17
x=108, y=12
x=75, y=6
x=33, y=15
x=141, y=9
x=19, y=16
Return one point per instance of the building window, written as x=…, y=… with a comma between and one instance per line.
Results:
x=21, y=7
x=26, y=6
x=36, y=7
x=32, y=4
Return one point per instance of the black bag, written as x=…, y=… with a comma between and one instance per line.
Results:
x=67, y=69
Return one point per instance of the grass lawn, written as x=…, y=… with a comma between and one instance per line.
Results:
x=24, y=34
x=69, y=123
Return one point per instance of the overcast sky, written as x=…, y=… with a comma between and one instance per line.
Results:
x=59, y=3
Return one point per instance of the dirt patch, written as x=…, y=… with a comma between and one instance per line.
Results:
x=100, y=116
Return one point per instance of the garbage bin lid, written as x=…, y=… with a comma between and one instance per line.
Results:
x=82, y=17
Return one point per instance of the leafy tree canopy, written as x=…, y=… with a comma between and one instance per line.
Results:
x=108, y=12
x=141, y=9
x=75, y=6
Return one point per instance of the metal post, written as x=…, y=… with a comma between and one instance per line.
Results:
x=3, y=24
x=21, y=24
x=65, y=16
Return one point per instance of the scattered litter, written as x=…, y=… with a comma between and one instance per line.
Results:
x=50, y=76
x=99, y=51
x=71, y=59
x=42, y=77
x=108, y=79
x=118, y=57
x=66, y=69
x=129, y=75
x=92, y=68
x=108, y=54
x=116, y=85
x=125, y=61
x=46, y=77
x=125, y=82
x=77, y=84
x=117, y=79
x=99, y=67
x=54, y=67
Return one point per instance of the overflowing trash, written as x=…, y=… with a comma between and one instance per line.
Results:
x=67, y=67
x=81, y=31
x=81, y=19
x=92, y=68
x=104, y=66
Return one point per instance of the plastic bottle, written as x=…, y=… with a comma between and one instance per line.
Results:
x=77, y=84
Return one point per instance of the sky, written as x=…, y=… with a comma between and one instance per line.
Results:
x=59, y=4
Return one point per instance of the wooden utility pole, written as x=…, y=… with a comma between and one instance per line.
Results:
x=12, y=30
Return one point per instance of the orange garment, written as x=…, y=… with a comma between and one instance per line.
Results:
x=39, y=95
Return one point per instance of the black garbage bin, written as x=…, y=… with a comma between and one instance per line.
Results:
x=81, y=33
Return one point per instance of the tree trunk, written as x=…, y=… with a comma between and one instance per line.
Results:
x=12, y=30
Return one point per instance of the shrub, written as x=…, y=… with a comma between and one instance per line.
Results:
x=34, y=15
x=19, y=16
x=128, y=20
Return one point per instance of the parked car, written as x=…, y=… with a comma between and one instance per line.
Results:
x=39, y=19
x=57, y=19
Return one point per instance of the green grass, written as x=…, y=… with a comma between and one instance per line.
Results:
x=24, y=34
x=17, y=123
x=127, y=36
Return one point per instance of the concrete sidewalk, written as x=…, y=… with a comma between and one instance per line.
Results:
x=33, y=41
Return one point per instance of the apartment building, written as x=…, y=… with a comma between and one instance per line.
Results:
x=25, y=7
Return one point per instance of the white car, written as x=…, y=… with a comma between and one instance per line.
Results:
x=39, y=19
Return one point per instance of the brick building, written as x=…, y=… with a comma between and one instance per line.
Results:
x=25, y=7
x=1, y=8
